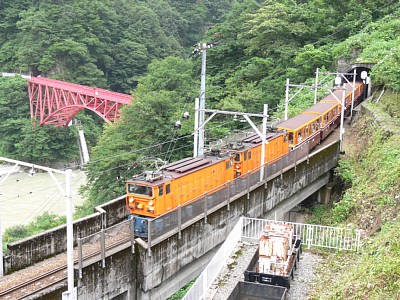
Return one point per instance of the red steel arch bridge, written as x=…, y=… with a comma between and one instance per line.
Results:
x=54, y=102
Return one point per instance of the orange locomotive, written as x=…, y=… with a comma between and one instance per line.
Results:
x=155, y=193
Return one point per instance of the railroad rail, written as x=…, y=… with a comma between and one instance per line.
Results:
x=56, y=277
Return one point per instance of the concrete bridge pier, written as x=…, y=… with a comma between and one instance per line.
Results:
x=283, y=208
x=324, y=194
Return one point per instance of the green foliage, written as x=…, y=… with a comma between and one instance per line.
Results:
x=371, y=204
x=39, y=224
x=377, y=43
x=46, y=145
x=373, y=191
x=345, y=172
x=390, y=104
x=97, y=43
x=343, y=209
x=105, y=43
x=321, y=214
x=373, y=274
x=146, y=129
x=181, y=292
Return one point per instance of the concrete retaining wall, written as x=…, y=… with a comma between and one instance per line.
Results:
x=26, y=252
x=115, y=281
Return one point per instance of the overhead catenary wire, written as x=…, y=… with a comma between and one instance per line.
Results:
x=47, y=205
x=172, y=142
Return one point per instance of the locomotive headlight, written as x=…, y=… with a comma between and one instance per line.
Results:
x=151, y=203
x=237, y=166
x=130, y=199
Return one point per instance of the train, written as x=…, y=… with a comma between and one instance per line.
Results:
x=155, y=193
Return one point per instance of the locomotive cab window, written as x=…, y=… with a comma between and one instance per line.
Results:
x=140, y=189
x=160, y=190
x=168, y=189
x=237, y=157
x=245, y=156
x=249, y=155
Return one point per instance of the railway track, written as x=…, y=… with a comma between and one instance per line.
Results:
x=51, y=278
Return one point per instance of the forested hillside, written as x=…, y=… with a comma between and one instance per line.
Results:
x=261, y=43
x=101, y=43
x=144, y=47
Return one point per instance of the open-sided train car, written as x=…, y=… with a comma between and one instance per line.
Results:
x=358, y=90
x=317, y=122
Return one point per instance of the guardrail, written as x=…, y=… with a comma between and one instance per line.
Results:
x=310, y=234
x=207, y=277
x=102, y=240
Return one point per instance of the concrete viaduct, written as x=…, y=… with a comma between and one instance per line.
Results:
x=129, y=272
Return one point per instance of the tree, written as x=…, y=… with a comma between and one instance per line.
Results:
x=23, y=141
x=145, y=129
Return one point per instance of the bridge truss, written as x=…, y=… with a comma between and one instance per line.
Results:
x=55, y=102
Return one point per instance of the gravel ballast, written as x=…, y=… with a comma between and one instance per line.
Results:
x=233, y=272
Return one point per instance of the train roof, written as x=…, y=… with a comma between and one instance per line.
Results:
x=256, y=139
x=339, y=92
x=297, y=122
x=321, y=107
x=176, y=169
x=188, y=165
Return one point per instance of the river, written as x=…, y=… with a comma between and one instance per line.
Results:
x=22, y=197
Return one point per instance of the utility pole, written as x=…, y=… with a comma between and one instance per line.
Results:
x=202, y=106
x=196, y=125
x=71, y=293
x=316, y=86
x=343, y=107
x=339, y=78
x=247, y=116
x=352, y=97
